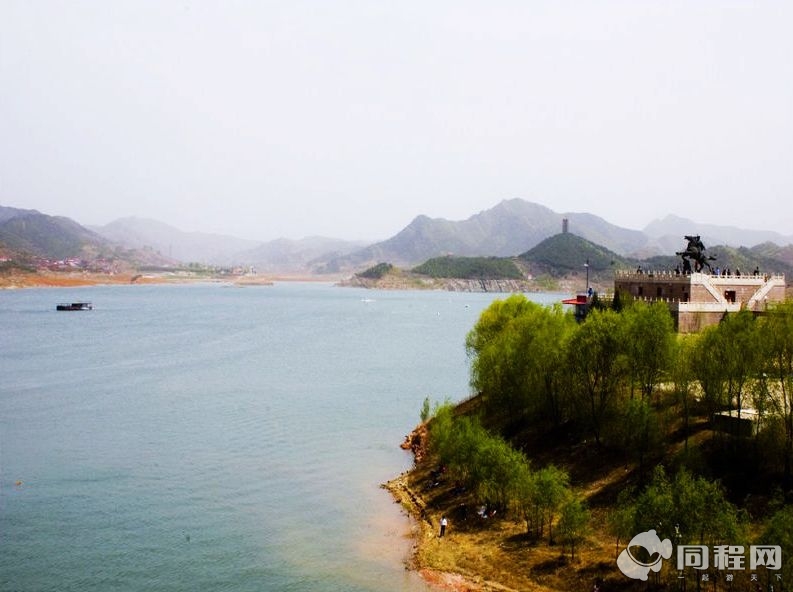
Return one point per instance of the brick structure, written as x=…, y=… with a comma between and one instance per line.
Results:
x=698, y=300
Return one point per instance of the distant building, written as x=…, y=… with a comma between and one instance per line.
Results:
x=565, y=225
x=698, y=300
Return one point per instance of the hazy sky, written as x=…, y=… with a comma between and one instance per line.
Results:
x=347, y=119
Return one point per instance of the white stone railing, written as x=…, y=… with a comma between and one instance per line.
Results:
x=670, y=274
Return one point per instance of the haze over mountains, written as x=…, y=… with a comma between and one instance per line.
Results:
x=277, y=256
x=510, y=228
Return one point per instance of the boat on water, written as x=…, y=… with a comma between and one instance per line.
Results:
x=75, y=306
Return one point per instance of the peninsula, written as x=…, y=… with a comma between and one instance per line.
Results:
x=583, y=435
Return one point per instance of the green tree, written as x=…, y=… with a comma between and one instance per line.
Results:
x=537, y=496
x=552, y=488
x=683, y=378
x=622, y=519
x=655, y=506
x=541, y=342
x=425, y=410
x=493, y=319
x=484, y=462
x=703, y=513
x=497, y=363
x=573, y=523
x=688, y=510
x=465, y=457
x=499, y=468
x=650, y=338
x=693, y=506
x=441, y=441
x=596, y=365
x=638, y=431
x=706, y=369
x=525, y=501
x=517, y=349
x=739, y=347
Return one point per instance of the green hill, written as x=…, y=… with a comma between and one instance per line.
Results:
x=470, y=268
x=567, y=256
x=376, y=272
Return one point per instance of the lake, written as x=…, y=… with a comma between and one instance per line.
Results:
x=207, y=437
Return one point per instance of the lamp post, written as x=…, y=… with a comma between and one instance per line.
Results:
x=681, y=577
x=587, y=276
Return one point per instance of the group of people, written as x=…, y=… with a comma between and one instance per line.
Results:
x=727, y=272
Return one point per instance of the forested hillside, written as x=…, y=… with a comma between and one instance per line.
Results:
x=470, y=268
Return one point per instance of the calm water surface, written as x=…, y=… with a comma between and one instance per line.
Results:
x=204, y=437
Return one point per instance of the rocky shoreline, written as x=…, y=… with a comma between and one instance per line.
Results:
x=425, y=524
x=405, y=282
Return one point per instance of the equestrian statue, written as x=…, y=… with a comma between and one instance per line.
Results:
x=695, y=251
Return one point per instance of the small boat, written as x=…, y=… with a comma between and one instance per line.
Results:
x=75, y=306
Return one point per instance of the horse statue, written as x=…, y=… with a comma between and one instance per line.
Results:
x=695, y=251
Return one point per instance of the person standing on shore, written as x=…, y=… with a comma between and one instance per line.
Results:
x=443, y=525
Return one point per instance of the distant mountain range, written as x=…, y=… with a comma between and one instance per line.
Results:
x=139, y=233
x=514, y=226
x=563, y=262
x=277, y=256
x=29, y=233
x=510, y=228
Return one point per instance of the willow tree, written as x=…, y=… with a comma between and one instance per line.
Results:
x=573, y=522
x=650, y=338
x=638, y=431
x=493, y=320
x=517, y=349
x=596, y=364
x=683, y=380
x=482, y=461
x=496, y=368
x=739, y=347
x=538, y=497
x=543, y=338
x=705, y=364
x=552, y=488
